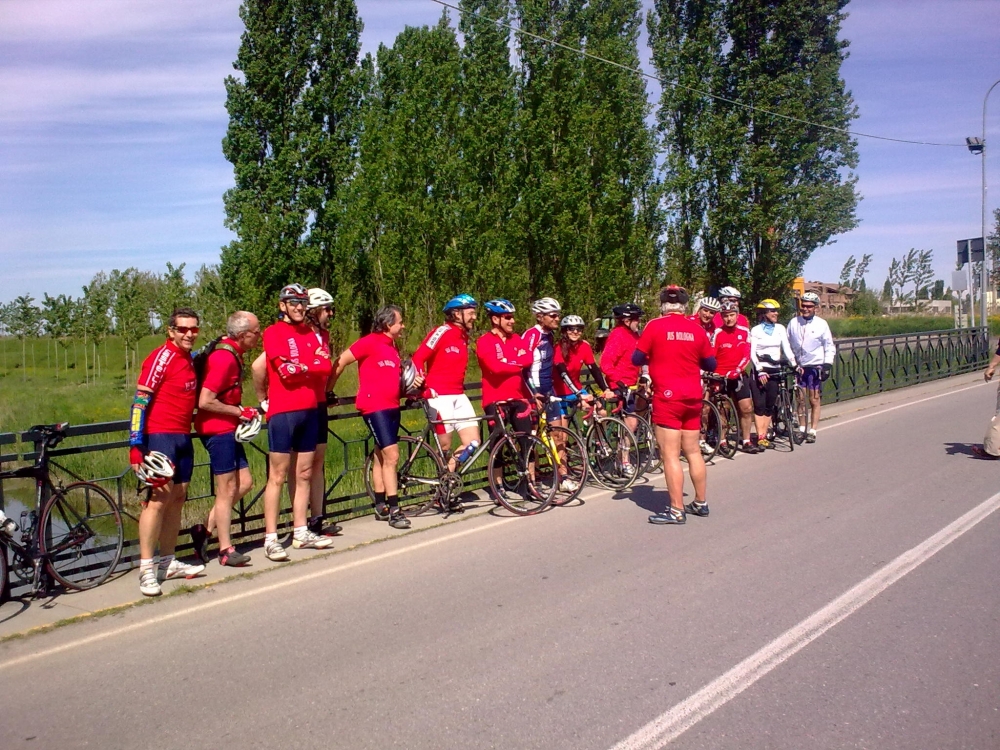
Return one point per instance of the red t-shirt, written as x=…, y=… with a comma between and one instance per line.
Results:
x=675, y=347
x=616, y=359
x=169, y=373
x=444, y=356
x=224, y=377
x=741, y=320
x=378, y=373
x=502, y=364
x=732, y=350
x=580, y=354
x=284, y=342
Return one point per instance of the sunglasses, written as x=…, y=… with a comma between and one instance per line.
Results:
x=296, y=302
x=808, y=306
x=186, y=329
x=552, y=315
x=573, y=329
x=506, y=317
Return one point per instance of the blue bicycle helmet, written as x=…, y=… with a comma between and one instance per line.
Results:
x=500, y=307
x=460, y=302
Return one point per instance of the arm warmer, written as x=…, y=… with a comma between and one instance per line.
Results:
x=598, y=376
x=137, y=426
x=564, y=374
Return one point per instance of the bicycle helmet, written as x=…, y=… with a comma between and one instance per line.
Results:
x=810, y=297
x=730, y=291
x=571, y=321
x=500, y=307
x=407, y=377
x=460, y=302
x=710, y=303
x=730, y=305
x=768, y=304
x=674, y=294
x=294, y=292
x=318, y=298
x=247, y=431
x=545, y=305
x=156, y=470
x=628, y=310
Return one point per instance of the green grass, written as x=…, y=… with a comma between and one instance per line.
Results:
x=843, y=328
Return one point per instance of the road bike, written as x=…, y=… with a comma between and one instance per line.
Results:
x=785, y=423
x=726, y=435
x=521, y=469
x=645, y=435
x=567, y=445
x=72, y=537
x=612, y=451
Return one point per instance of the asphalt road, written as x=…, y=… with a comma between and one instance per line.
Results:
x=583, y=627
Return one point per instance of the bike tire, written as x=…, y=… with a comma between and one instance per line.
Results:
x=649, y=451
x=609, y=441
x=80, y=531
x=4, y=574
x=572, y=459
x=417, y=474
x=711, y=428
x=731, y=426
x=532, y=472
x=782, y=422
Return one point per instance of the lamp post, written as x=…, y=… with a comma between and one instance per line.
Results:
x=978, y=146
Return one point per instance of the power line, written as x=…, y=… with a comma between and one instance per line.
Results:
x=675, y=84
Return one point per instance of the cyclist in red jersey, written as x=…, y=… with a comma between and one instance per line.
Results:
x=616, y=359
x=379, y=391
x=732, y=355
x=731, y=294
x=296, y=361
x=444, y=358
x=677, y=349
x=162, y=409
x=704, y=314
x=219, y=414
x=572, y=353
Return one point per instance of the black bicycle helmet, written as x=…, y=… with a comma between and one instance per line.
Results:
x=628, y=310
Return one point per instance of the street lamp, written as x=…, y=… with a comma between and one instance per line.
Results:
x=977, y=146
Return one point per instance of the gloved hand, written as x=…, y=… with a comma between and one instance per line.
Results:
x=825, y=373
x=292, y=370
x=247, y=413
x=135, y=456
x=263, y=406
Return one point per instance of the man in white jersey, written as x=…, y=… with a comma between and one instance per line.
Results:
x=812, y=343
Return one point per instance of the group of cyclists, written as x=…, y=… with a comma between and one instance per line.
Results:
x=659, y=366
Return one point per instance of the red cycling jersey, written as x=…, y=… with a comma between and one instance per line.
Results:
x=224, y=377
x=319, y=384
x=675, y=346
x=378, y=373
x=502, y=363
x=580, y=354
x=741, y=320
x=616, y=359
x=709, y=326
x=732, y=350
x=285, y=343
x=169, y=373
x=444, y=356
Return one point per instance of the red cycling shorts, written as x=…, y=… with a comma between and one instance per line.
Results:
x=676, y=414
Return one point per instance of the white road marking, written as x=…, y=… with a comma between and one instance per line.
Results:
x=674, y=722
x=248, y=594
x=900, y=406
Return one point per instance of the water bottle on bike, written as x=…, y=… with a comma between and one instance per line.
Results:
x=466, y=453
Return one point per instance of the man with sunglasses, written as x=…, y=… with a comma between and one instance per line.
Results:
x=539, y=341
x=296, y=360
x=814, y=349
x=165, y=398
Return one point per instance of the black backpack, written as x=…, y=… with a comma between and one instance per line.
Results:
x=200, y=361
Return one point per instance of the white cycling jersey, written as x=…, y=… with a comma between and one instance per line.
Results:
x=811, y=341
x=766, y=348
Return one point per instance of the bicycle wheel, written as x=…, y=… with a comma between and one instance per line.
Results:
x=730, y=420
x=782, y=421
x=572, y=463
x=417, y=475
x=711, y=430
x=531, y=471
x=80, y=532
x=612, y=453
x=4, y=574
x=649, y=451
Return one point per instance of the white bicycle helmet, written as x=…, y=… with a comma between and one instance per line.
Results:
x=154, y=469
x=319, y=298
x=247, y=431
x=810, y=297
x=710, y=303
x=407, y=377
x=545, y=305
x=572, y=320
x=730, y=291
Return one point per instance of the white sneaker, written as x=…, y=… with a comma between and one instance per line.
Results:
x=274, y=551
x=628, y=470
x=148, y=584
x=178, y=569
x=705, y=447
x=568, y=485
x=309, y=540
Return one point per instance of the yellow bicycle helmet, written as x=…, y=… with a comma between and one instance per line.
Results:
x=768, y=304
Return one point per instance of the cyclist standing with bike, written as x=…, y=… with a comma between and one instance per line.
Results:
x=379, y=391
x=616, y=359
x=731, y=294
x=296, y=364
x=444, y=357
x=677, y=349
x=815, y=350
x=571, y=354
x=219, y=416
x=768, y=342
x=732, y=354
x=162, y=409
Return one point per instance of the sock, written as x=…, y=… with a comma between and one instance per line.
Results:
x=268, y=538
x=166, y=560
x=380, y=498
x=393, y=501
x=299, y=531
x=144, y=563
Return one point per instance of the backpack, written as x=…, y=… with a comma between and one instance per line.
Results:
x=200, y=361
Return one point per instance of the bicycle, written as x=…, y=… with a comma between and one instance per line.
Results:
x=728, y=417
x=611, y=448
x=645, y=436
x=520, y=469
x=73, y=536
x=567, y=446
x=785, y=424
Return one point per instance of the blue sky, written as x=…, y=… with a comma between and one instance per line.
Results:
x=112, y=113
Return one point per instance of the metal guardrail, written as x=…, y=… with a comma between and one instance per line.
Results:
x=864, y=366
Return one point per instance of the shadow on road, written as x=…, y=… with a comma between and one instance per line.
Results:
x=962, y=449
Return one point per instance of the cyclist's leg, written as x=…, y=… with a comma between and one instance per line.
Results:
x=318, y=480
x=224, y=463
x=279, y=460
x=815, y=402
x=669, y=441
x=179, y=449
x=384, y=426
x=759, y=396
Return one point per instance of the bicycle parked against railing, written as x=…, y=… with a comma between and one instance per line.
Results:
x=73, y=536
x=520, y=470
